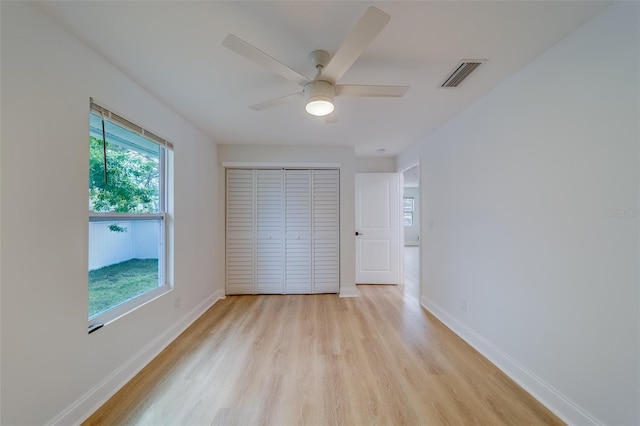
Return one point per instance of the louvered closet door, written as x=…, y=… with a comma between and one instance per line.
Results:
x=326, y=228
x=297, y=204
x=240, y=232
x=269, y=223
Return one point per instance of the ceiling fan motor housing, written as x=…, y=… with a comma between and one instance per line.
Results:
x=318, y=97
x=319, y=90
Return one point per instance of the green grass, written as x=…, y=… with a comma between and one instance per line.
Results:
x=115, y=284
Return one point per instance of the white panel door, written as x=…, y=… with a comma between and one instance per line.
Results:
x=240, y=248
x=269, y=232
x=326, y=230
x=297, y=210
x=378, y=228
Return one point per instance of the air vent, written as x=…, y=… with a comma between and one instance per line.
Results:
x=461, y=72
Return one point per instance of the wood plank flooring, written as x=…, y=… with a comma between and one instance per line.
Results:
x=378, y=359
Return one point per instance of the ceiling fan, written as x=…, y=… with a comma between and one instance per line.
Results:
x=319, y=92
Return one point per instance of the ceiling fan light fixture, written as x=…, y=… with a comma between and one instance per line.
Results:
x=319, y=97
x=319, y=107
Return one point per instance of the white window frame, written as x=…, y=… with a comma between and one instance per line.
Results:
x=411, y=211
x=165, y=206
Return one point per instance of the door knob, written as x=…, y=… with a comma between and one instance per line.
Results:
x=359, y=233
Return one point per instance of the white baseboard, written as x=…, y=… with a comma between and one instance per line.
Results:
x=568, y=411
x=87, y=404
x=348, y=292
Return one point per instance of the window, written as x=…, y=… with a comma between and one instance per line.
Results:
x=408, y=204
x=128, y=208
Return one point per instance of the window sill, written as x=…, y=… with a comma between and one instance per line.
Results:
x=106, y=318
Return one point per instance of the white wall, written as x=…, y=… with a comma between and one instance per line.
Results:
x=521, y=188
x=375, y=165
x=412, y=233
x=289, y=154
x=52, y=370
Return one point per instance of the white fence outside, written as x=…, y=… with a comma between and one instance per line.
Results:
x=139, y=241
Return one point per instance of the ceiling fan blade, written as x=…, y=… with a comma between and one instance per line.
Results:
x=369, y=26
x=371, y=91
x=276, y=102
x=243, y=48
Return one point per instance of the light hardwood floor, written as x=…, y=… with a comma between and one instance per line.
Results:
x=321, y=360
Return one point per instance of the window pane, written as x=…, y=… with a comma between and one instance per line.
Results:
x=408, y=203
x=121, y=136
x=132, y=183
x=408, y=219
x=124, y=261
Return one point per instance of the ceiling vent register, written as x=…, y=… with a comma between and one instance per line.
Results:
x=461, y=73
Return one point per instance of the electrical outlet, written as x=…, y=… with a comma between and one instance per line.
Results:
x=177, y=302
x=463, y=305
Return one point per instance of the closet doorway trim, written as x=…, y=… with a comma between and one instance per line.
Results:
x=278, y=165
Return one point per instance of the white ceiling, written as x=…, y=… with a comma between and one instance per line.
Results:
x=174, y=50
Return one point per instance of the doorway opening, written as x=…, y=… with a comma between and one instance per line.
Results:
x=410, y=230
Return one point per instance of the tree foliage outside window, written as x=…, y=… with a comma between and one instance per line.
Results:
x=132, y=184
